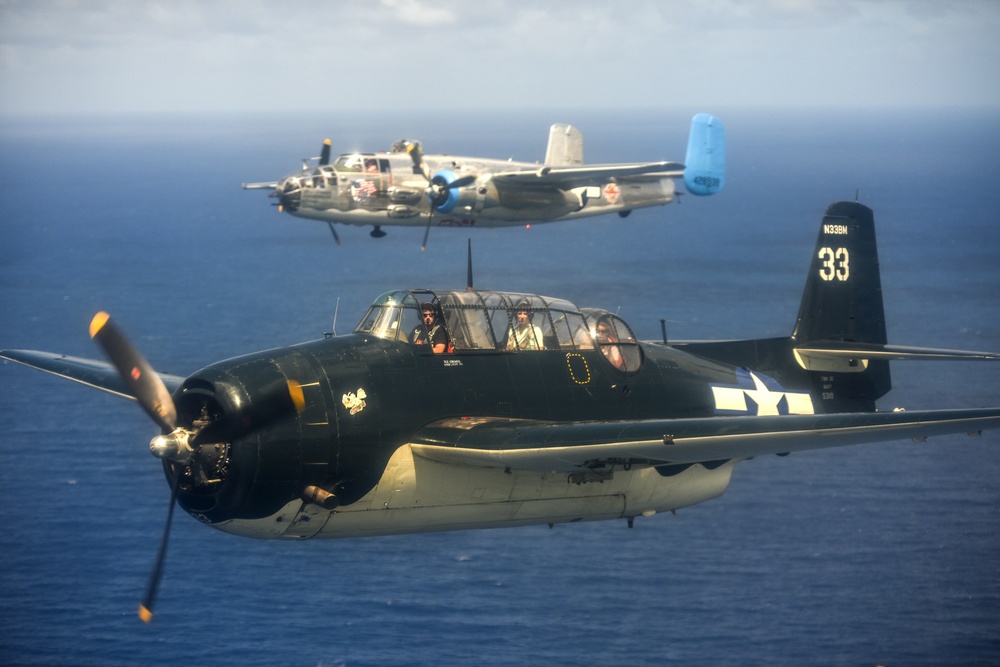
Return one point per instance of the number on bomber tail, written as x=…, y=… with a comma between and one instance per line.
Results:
x=836, y=264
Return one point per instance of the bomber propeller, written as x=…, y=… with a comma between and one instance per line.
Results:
x=439, y=186
x=179, y=444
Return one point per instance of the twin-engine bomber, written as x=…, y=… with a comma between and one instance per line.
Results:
x=405, y=187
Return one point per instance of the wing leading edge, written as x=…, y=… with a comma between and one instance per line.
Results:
x=570, y=447
x=98, y=374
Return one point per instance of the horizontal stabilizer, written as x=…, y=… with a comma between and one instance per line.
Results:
x=852, y=356
x=93, y=373
x=570, y=447
x=705, y=164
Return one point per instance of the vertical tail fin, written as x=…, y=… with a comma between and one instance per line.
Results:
x=843, y=294
x=705, y=162
x=565, y=146
x=842, y=310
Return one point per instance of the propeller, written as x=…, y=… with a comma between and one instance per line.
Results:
x=439, y=186
x=439, y=194
x=324, y=155
x=178, y=444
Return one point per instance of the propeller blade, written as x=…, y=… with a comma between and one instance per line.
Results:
x=324, y=156
x=278, y=403
x=461, y=182
x=334, y=232
x=153, y=586
x=140, y=378
x=417, y=155
x=427, y=229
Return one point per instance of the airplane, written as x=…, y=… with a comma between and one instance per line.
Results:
x=376, y=433
x=405, y=187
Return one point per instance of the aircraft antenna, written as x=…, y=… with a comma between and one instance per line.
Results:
x=663, y=327
x=468, y=283
x=336, y=309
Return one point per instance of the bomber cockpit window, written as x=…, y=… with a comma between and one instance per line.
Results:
x=614, y=339
x=352, y=162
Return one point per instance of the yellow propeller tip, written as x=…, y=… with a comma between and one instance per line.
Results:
x=298, y=398
x=145, y=614
x=326, y=142
x=96, y=324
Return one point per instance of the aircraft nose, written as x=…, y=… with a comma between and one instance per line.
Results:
x=289, y=193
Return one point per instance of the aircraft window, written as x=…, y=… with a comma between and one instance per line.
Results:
x=530, y=327
x=466, y=321
x=497, y=318
x=571, y=331
x=615, y=340
x=568, y=326
x=489, y=321
x=348, y=163
x=392, y=317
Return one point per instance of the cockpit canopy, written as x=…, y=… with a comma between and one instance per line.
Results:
x=486, y=320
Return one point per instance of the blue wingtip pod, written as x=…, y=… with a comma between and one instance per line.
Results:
x=705, y=164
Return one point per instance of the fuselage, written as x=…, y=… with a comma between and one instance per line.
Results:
x=369, y=393
x=382, y=188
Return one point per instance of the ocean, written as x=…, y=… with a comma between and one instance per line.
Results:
x=871, y=555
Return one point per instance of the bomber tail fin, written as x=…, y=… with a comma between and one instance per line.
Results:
x=565, y=146
x=705, y=163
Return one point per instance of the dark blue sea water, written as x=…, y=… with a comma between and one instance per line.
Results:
x=874, y=555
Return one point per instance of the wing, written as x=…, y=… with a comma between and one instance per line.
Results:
x=571, y=177
x=98, y=374
x=569, y=447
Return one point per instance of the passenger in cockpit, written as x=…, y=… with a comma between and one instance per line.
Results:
x=608, y=342
x=431, y=331
x=524, y=335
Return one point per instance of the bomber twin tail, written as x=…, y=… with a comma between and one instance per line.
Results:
x=534, y=412
x=405, y=187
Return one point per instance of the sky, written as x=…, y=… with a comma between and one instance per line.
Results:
x=207, y=56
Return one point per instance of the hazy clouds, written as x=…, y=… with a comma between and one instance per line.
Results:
x=228, y=55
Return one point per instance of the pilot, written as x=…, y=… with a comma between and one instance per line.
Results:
x=524, y=335
x=431, y=330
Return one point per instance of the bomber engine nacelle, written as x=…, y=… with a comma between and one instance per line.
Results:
x=482, y=197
